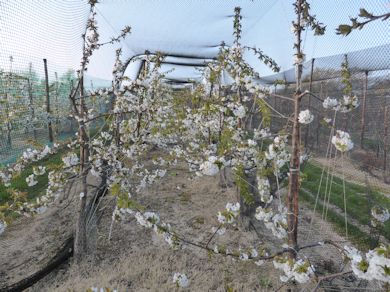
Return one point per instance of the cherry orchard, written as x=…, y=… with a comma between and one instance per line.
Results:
x=210, y=129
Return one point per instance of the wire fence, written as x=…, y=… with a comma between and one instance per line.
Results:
x=345, y=187
x=35, y=107
x=368, y=124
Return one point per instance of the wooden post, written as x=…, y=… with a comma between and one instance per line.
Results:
x=48, y=102
x=56, y=107
x=7, y=100
x=309, y=103
x=362, y=121
x=30, y=95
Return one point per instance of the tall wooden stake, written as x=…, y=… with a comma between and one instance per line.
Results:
x=7, y=105
x=51, y=139
x=31, y=98
x=56, y=108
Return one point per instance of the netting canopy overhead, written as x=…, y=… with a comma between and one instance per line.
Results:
x=188, y=30
x=33, y=30
x=196, y=28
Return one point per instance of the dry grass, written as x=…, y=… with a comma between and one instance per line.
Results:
x=135, y=260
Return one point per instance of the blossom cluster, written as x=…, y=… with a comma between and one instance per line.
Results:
x=330, y=103
x=229, y=214
x=346, y=104
x=152, y=220
x=30, y=180
x=374, y=265
x=70, y=160
x=239, y=111
x=56, y=183
x=261, y=134
x=277, y=153
x=305, y=117
x=276, y=222
x=29, y=156
x=37, y=171
x=299, y=270
x=342, y=141
x=264, y=189
x=209, y=167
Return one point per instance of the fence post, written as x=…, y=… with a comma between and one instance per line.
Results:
x=7, y=105
x=57, y=131
x=362, y=125
x=48, y=102
x=30, y=95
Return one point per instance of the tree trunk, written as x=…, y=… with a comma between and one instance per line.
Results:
x=80, y=244
x=248, y=210
x=293, y=186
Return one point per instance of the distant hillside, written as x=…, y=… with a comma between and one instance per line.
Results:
x=96, y=82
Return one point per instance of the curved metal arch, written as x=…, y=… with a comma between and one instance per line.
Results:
x=177, y=63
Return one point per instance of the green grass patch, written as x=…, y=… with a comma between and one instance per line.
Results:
x=19, y=183
x=359, y=198
x=355, y=234
x=51, y=162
